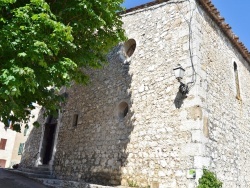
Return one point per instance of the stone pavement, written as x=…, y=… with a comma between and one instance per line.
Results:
x=12, y=179
x=9, y=179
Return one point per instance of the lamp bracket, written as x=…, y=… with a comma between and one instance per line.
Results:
x=183, y=88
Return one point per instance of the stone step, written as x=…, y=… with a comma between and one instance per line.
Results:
x=34, y=175
x=40, y=168
x=36, y=171
x=55, y=183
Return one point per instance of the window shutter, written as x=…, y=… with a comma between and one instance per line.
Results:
x=20, y=150
x=3, y=143
x=2, y=163
x=25, y=131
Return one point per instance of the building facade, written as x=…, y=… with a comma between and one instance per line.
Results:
x=7, y=140
x=12, y=143
x=132, y=126
x=21, y=138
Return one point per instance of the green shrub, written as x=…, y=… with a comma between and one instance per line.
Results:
x=132, y=183
x=209, y=180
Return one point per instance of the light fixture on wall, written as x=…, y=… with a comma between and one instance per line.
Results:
x=179, y=73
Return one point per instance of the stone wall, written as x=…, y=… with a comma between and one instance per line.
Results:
x=32, y=145
x=227, y=117
x=161, y=137
x=152, y=145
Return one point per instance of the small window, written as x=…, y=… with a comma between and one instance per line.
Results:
x=237, y=85
x=75, y=120
x=129, y=47
x=25, y=130
x=20, y=150
x=122, y=110
x=3, y=144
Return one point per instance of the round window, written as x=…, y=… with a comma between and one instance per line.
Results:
x=122, y=110
x=129, y=47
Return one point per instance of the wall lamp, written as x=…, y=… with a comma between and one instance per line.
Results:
x=179, y=73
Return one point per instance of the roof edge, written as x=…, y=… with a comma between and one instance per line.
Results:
x=146, y=5
x=226, y=28
x=214, y=14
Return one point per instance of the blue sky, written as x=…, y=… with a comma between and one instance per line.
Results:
x=236, y=13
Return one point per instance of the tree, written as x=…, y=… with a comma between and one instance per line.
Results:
x=47, y=44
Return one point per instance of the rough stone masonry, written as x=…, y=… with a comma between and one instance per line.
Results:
x=131, y=126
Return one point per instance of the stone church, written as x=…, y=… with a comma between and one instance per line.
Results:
x=137, y=124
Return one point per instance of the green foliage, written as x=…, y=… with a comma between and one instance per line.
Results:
x=209, y=180
x=132, y=183
x=47, y=44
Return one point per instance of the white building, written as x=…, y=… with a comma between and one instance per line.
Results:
x=12, y=143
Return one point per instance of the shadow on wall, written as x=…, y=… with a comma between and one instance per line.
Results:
x=178, y=101
x=32, y=144
x=93, y=149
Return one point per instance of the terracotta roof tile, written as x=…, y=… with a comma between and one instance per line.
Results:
x=226, y=28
